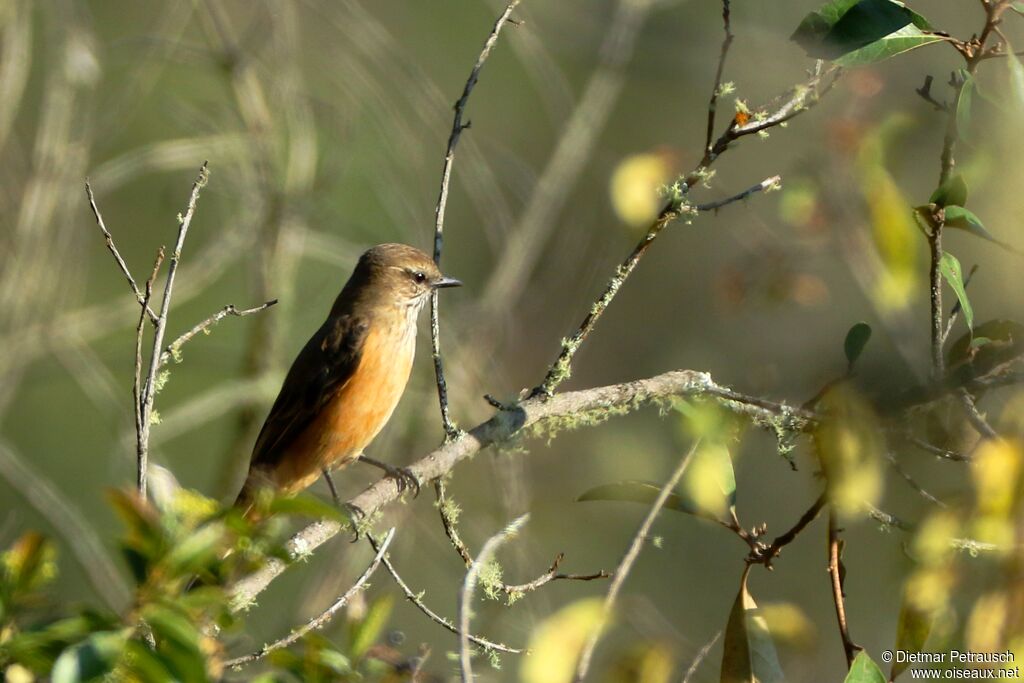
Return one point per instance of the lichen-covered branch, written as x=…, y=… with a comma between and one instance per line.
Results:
x=529, y=417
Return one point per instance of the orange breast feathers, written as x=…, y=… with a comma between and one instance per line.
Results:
x=357, y=412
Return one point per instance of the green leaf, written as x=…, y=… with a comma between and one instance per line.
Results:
x=950, y=269
x=364, y=633
x=90, y=660
x=864, y=670
x=707, y=488
x=304, y=505
x=964, y=104
x=856, y=339
x=962, y=219
x=951, y=192
x=858, y=32
x=748, y=653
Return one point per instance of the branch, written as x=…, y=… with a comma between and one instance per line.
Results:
x=137, y=404
x=324, y=617
x=552, y=574
x=836, y=573
x=116, y=254
x=713, y=104
x=629, y=559
x=766, y=185
x=798, y=100
x=593, y=404
x=433, y=616
x=442, y=200
x=174, y=347
x=148, y=389
x=469, y=585
x=772, y=551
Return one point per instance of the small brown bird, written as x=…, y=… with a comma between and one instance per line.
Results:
x=350, y=375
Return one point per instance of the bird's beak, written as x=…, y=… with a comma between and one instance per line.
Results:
x=446, y=282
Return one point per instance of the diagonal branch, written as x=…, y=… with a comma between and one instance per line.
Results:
x=324, y=617
x=116, y=254
x=174, y=347
x=629, y=559
x=521, y=420
x=450, y=430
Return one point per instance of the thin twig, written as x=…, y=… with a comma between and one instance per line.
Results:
x=175, y=346
x=772, y=551
x=148, y=388
x=116, y=254
x=850, y=649
x=137, y=407
x=799, y=100
x=518, y=421
x=324, y=617
x=943, y=453
x=699, y=659
x=552, y=574
x=417, y=600
x=469, y=586
x=713, y=104
x=976, y=419
x=766, y=185
x=911, y=482
x=450, y=430
x=628, y=559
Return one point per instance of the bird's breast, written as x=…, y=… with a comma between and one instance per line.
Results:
x=364, y=404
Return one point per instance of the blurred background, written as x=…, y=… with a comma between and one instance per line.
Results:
x=325, y=125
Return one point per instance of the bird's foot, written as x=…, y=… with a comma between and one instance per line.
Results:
x=403, y=476
x=355, y=516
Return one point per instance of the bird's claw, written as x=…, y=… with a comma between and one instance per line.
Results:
x=355, y=516
x=405, y=479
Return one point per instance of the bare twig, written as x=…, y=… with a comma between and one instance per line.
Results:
x=772, y=551
x=141, y=464
x=713, y=104
x=628, y=559
x=450, y=430
x=800, y=99
x=469, y=586
x=943, y=453
x=517, y=422
x=850, y=649
x=925, y=91
x=911, y=482
x=552, y=574
x=324, y=617
x=174, y=347
x=417, y=600
x=976, y=419
x=935, y=297
x=148, y=388
x=116, y=254
x=765, y=185
x=699, y=659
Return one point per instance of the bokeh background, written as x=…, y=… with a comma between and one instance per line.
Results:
x=325, y=124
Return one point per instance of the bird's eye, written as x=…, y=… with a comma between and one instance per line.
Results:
x=419, y=276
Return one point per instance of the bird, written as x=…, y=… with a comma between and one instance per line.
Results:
x=344, y=385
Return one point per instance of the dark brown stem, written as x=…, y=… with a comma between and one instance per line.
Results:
x=450, y=430
x=785, y=539
x=713, y=104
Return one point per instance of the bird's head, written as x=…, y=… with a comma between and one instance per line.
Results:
x=399, y=274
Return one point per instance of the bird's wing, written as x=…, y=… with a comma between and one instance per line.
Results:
x=325, y=364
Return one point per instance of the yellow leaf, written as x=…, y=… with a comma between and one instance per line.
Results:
x=556, y=644
x=634, y=187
